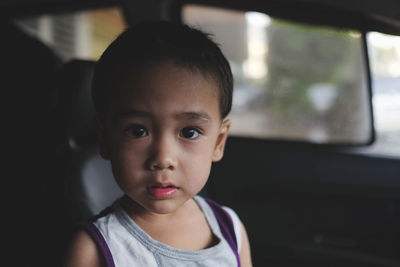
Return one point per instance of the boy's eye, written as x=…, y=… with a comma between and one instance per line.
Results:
x=136, y=131
x=189, y=133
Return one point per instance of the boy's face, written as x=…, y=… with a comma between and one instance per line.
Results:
x=162, y=132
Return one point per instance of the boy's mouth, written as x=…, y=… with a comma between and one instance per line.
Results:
x=162, y=191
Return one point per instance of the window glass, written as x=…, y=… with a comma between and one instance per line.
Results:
x=384, y=54
x=79, y=35
x=292, y=81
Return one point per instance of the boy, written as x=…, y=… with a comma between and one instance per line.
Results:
x=162, y=92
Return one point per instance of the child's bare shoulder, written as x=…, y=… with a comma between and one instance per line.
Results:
x=83, y=252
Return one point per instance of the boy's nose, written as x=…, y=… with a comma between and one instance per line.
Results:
x=163, y=156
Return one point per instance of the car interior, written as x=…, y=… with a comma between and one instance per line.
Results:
x=305, y=201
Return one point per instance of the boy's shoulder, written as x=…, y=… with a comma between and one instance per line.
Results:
x=228, y=222
x=83, y=251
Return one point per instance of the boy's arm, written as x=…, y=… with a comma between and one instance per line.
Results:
x=244, y=253
x=83, y=252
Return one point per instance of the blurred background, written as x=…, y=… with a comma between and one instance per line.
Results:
x=287, y=86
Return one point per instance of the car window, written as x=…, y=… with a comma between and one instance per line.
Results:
x=78, y=35
x=292, y=81
x=384, y=54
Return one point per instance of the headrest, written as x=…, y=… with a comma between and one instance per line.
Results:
x=25, y=58
x=76, y=110
x=28, y=67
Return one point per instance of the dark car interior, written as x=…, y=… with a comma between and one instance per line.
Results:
x=303, y=203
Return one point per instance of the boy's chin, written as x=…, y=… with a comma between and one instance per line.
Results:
x=154, y=206
x=165, y=207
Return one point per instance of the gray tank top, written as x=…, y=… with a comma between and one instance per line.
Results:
x=128, y=245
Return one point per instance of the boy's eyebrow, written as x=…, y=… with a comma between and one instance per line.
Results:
x=194, y=116
x=189, y=115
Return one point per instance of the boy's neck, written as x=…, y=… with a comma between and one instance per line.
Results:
x=141, y=215
x=178, y=229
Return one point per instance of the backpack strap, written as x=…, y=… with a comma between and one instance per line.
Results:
x=98, y=238
x=226, y=225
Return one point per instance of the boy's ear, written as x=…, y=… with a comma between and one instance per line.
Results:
x=102, y=138
x=221, y=141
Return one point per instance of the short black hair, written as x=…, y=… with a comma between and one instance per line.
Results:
x=156, y=41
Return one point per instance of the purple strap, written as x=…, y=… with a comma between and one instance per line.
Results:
x=99, y=239
x=226, y=225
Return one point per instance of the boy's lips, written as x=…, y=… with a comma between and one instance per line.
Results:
x=163, y=190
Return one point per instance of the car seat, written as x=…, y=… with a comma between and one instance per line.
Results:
x=88, y=180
